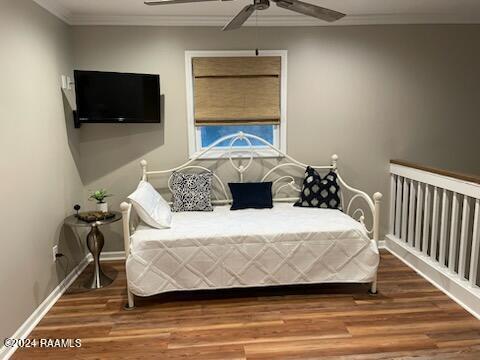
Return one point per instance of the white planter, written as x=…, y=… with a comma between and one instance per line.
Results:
x=102, y=207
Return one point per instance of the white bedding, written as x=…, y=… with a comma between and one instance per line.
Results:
x=225, y=249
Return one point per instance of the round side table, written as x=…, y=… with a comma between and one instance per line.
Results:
x=95, y=242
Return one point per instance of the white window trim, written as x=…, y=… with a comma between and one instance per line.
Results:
x=279, y=133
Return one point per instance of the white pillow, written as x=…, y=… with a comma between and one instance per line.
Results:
x=150, y=206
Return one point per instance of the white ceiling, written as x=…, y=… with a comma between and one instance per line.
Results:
x=216, y=13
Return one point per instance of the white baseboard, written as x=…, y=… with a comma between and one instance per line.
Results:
x=459, y=291
x=26, y=328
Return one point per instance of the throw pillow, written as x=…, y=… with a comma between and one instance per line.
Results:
x=192, y=192
x=320, y=192
x=251, y=195
x=150, y=206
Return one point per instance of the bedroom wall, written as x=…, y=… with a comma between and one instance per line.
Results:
x=40, y=179
x=368, y=93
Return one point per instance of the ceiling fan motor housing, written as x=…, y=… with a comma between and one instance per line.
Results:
x=261, y=4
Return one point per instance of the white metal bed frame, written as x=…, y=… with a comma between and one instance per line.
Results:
x=278, y=184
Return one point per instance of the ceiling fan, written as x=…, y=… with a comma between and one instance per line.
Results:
x=293, y=5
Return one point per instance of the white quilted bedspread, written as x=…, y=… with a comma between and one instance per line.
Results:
x=226, y=249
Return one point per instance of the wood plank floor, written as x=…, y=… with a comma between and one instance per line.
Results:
x=409, y=318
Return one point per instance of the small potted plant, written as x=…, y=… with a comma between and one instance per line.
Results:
x=99, y=196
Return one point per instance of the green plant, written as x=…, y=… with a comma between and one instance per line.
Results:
x=99, y=195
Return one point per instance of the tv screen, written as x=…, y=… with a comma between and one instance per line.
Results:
x=117, y=97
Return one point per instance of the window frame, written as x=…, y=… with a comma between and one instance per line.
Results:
x=279, y=131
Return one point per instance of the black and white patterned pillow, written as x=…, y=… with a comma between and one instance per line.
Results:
x=192, y=192
x=320, y=192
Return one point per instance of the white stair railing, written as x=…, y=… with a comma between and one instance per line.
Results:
x=435, y=214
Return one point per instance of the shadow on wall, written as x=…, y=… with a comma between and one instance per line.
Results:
x=73, y=136
x=71, y=245
x=102, y=145
x=72, y=241
x=69, y=242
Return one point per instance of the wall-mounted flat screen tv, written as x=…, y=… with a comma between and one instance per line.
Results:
x=110, y=97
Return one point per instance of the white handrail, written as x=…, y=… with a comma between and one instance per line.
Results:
x=463, y=187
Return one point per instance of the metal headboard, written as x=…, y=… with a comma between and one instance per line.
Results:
x=278, y=184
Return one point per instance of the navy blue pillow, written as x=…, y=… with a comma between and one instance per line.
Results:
x=251, y=195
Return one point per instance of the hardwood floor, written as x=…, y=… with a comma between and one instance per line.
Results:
x=408, y=318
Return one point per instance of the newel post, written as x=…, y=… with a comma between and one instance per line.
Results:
x=143, y=164
x=377, y=198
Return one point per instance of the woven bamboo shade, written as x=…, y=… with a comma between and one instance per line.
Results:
x=237, y=90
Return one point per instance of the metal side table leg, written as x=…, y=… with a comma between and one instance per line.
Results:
x=95, y=242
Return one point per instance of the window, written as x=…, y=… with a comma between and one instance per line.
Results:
x=232, y=91
x=210, y=134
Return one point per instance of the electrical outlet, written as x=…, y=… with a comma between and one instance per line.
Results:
x=55, y=252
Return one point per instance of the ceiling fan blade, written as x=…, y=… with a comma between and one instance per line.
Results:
x=167, y=2
x=240, y=18
x=310, y=10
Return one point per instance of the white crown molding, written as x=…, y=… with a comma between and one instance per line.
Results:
x=265, y=20
x=291, y=20
x=56, y=9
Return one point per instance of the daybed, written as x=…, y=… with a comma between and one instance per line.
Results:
x=254, y=247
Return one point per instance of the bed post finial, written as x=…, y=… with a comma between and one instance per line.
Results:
x=143, y=164
x=334, y=161
x=124, y=206
x=377, y=196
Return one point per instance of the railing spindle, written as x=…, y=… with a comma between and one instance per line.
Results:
x=435, y=219
x=403, y=234
x=475, y=245
x=418, y=218
x=433, y=246
x=426, y=220
x=398, y=207
x=453, y=233
x=392, y=203
x=411, y=214
x=443, y=228
x=462, y=259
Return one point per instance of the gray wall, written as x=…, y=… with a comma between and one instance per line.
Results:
x=368, y=93
x=40, y=179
